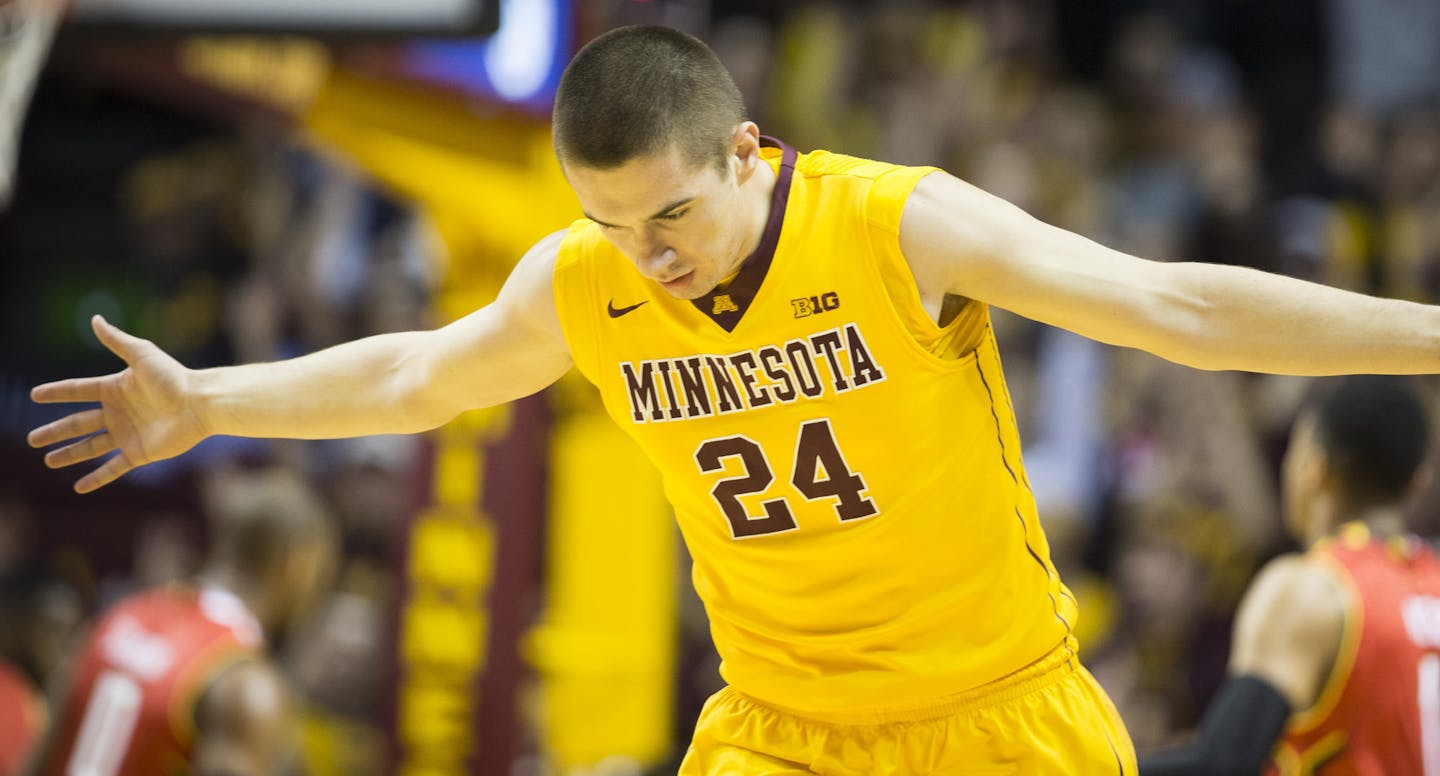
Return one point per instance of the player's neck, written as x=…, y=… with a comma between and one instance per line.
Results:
x=253, y=594
x=1382, y=521
x=757, y=193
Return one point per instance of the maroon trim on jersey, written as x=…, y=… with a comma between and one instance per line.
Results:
x=742, y=289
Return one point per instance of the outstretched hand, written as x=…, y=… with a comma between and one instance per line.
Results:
x=145, y=412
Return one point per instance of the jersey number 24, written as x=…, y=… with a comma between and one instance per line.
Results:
x=820, y=473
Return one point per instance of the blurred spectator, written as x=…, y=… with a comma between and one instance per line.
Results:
x=338, y=665
x=16, y=529
x=1384, y=56
x=165, y=551
x=39, y=614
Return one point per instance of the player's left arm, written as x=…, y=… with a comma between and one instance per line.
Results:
x=1287, y=635
x=961, y=240
x=242, y=723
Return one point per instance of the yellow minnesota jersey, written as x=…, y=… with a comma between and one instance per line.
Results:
x=845, y=472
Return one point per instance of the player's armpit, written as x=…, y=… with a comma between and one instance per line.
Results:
x=242, y=723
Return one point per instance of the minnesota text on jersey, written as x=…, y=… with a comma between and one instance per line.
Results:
x=703, y=385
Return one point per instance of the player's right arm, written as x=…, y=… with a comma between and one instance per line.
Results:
x=960, y=240
x=391, y=383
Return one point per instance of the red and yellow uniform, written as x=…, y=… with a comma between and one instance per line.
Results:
x=22, y=717
x=1379, y=711
x=129, y=710
x=846, y=473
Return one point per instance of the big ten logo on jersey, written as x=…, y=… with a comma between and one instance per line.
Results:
x=814, y=305
x=1422, y=620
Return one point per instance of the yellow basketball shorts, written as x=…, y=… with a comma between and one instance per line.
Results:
x=1048, y=718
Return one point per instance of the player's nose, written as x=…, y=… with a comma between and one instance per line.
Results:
x=658, y=263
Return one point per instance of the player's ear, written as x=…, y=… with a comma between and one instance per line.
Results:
x=745, y=150
x=1423, y=479
x=1319, y=471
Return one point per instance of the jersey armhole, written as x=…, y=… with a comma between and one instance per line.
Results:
x=1306, y=720
x=965, y=331
x=572, y=287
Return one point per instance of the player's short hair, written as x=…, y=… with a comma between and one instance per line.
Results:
x=261, y=518
x=638, y=90
x=1374, y=432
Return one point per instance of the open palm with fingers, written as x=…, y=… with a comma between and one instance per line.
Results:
x=144, y=413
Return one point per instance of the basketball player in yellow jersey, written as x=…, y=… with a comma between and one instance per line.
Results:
x=801, y=343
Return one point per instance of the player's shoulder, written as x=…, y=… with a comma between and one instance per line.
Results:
x=533, y=273
x=248, y=687
x=548, y=249
x=843, y=181
x=246, y=703
x=158, y=603
x=1298, y=574
x=580, y=243
x=1299, y=592
x=821, y=163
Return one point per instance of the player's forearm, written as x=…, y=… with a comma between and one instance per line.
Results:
x=1240, y=729
x=1256, y=321
x=369, y=386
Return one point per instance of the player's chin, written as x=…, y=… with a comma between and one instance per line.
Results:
x=684, y=287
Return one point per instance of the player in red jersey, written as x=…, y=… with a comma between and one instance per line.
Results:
x=1335, y=667
x=175, y=680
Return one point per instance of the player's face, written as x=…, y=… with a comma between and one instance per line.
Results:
x=310, y=572
x=1302, y=476
x=683, y=224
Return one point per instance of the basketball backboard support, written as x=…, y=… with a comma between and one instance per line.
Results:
x=27, y=28
x=315, y=17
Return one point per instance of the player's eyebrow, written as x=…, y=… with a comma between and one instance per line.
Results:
x=662, y=211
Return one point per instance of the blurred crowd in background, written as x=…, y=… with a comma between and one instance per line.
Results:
x=1298, y=136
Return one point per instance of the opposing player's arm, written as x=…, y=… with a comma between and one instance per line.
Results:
x=959, y=239
x=1289, y=628
x=391, y=383
x=242, y=723
x=1287, y=636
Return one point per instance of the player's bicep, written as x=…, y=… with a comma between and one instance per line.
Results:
x=510, y=348
x=1289, y=629
x=959, y=239
x=242, y=723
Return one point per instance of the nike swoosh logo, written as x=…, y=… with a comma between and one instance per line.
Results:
x=617, y=312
